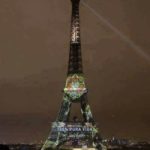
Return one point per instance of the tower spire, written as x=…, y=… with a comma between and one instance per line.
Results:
x=75, y=59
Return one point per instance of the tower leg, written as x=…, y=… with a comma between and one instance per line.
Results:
x=64, y=110
x=55, y=139
x=86, y=110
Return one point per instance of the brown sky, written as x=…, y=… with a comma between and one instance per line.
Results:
x=34, y=45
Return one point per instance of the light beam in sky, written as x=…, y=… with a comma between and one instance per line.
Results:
x=125, y=38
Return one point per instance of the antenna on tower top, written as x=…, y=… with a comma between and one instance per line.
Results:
x=75, y=58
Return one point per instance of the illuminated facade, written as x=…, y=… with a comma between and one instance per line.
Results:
x=64, y=131
x=75, y=87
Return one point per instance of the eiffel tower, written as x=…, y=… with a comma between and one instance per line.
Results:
x=63, y=131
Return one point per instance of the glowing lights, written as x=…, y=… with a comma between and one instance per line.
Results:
x=75, y=86
x=74, y=129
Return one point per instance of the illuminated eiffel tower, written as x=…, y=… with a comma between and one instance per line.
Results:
x=63, y=131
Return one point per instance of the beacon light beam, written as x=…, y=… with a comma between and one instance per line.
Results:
x=135, y=47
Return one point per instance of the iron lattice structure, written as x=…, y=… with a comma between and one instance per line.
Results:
x=75, y=91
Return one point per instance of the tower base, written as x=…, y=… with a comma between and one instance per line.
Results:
x=73, y=136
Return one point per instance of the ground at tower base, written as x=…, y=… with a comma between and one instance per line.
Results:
x=111, y=144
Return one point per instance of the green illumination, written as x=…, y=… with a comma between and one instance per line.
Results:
x=75, y=86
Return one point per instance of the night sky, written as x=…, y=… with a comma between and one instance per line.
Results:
x=34, y=50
